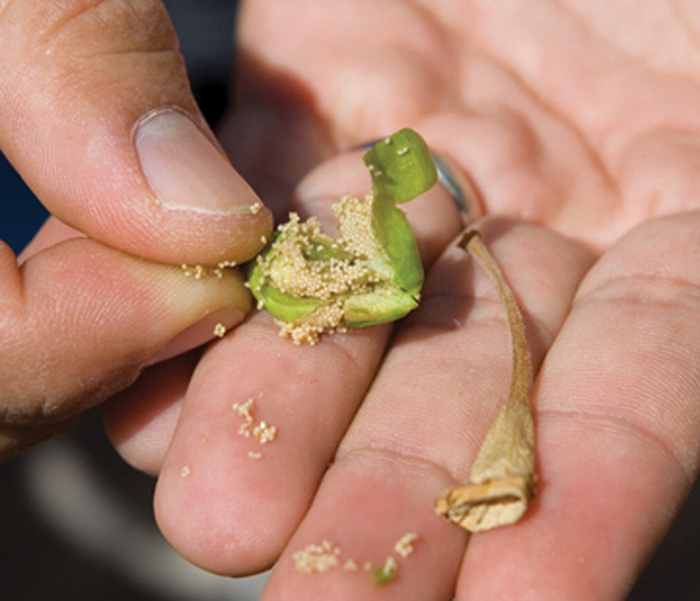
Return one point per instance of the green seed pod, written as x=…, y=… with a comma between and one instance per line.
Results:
x=372, y=273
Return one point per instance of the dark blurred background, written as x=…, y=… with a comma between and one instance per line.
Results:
x=77, y=521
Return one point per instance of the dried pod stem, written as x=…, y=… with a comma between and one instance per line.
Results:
x=502, y=480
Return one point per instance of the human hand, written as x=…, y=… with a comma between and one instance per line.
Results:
x=565, y=117
x=97, y=116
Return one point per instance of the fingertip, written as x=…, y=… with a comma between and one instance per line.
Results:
x=368, y=504
x=141, y=420
x=235, y=530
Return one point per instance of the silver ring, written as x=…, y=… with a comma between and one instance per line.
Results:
x=468, y=207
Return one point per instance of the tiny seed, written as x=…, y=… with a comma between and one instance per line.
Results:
x=350, y=566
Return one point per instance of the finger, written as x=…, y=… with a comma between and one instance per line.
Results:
x=140, y=420
x=51, y=232
x=157, y=395
x=98, y=118
x=423, y=421
x=618, y=416
x=231, y=511
x=60, y=307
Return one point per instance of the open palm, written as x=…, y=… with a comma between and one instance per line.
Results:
x=577, y=124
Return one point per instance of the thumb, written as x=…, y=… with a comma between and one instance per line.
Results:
x=97, y=115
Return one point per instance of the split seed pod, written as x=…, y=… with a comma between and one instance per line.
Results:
x=372, y=273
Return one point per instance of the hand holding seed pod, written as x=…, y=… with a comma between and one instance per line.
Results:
x=372, y=274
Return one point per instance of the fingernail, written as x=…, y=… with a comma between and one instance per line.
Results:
x=185, y=170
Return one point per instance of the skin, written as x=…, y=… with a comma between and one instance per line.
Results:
x=580, y=136
x=70, y=106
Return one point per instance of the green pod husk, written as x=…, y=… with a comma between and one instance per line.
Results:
x=314, y=284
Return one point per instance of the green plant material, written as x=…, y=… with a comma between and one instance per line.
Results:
x=372, y=273
x=502, y=480
x=385, y=573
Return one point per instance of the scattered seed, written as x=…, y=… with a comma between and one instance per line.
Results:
x=326, y=556
x=404, y=546
x=185, y=471
x=262, y=432
x=219, y=330
x=194, y=271
x=244, y=410
x=350, y=566
x=316, y=558
x=265, y=433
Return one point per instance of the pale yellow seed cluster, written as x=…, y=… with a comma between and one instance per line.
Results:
x=326, y=556
x=255, y=207
x=291, y=268
x=404, y=546
x=227, y=263
x=185, y=471
x=325, y=320
x=355, y=225
x=196, y=272
x=317, y=558
x=219, y=330
x=262, y=432
x=350, y=565
x=199, y=272
x=245, y=411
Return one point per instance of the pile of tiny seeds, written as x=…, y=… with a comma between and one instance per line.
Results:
x=291, y=268
x=262, y=431
x=325, y=556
